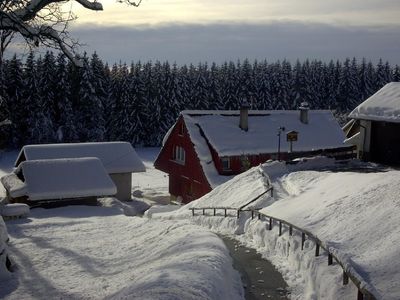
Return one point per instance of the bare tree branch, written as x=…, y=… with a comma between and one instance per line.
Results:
x=43, y=21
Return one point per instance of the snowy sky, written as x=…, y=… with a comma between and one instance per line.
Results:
x=189, y=31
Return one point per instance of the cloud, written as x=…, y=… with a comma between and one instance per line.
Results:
x=188, y=43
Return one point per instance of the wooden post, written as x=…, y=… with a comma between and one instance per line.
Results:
x=345, y=278
x=360, y=295
x=259, y=216
x=238, y=213
x=215, y=211
x=272, y=191
x=316, y=249
x=204, y=211
x=192, y=211
x=280, y=228
x=252, y=214
x=330, y=259
x=303, y=239
x=290, y=230
x=270, y=224
x=225, y=212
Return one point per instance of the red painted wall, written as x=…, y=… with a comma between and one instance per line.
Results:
x=185, y=180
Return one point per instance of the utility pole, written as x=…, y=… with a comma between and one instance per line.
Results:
x=280, y=130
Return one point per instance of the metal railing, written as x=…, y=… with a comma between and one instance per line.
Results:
x=348, y=271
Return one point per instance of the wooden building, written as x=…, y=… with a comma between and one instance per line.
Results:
x=118, y=158
x=206, y=148
x=375, y=126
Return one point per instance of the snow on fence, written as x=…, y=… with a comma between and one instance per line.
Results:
x=364, y=292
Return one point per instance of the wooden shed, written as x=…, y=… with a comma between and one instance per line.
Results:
x=118, y=158
x=58, y=179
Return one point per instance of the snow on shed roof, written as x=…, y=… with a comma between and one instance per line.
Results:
x=384, y=105
x=222, y=131
x=63, y=179
x=117, y=157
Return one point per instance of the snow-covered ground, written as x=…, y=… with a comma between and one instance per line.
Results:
x=96, y=252
x=355, y=211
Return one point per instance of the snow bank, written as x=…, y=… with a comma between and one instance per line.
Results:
x=356, y=213
x=95, y=252
x=14, y=210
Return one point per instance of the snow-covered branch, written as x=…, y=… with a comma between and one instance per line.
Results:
x=43, y=21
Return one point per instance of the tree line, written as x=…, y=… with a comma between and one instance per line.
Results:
x=48, y=99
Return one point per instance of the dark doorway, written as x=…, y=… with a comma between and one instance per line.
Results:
x=385, y=143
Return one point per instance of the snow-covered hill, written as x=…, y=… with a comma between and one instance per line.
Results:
x=356, y=210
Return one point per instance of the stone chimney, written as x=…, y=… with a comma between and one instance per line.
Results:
x=244, y=115
x=304, y=108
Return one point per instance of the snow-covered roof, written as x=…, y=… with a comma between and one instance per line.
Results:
x=384, y=105
x=117, y=157
x=221, y=128
x=222, y=131
x=60, y=179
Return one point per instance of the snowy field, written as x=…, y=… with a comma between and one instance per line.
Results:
x=87, y=252
x=167, y=255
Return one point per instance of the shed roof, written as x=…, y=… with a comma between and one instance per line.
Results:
x=221, y=130
x=60, y=179
x=384, y=105
x=117, y=157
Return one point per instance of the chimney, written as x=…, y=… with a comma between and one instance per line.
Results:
x=304, y=108
x=244, y=115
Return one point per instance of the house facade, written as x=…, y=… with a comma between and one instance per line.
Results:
x=375, y=125
x=206, y=148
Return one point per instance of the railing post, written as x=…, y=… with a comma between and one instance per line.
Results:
x=303, y=239
x=360, y=295
x=192, y=212
x=345, y=278
x=272, y=191
x=280, y=228
x=225, y=212
x=215, y=211
x=290, y=230
x=252, y=214
x=270, y=224
x=259, y=216
x=238, y=213
x=204, y=211
x=316, y=249
x=330, y=259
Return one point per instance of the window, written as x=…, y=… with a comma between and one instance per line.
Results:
x=226, y=163
x=179, y=154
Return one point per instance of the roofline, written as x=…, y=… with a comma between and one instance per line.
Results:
x=376, y=119
x=251, y=112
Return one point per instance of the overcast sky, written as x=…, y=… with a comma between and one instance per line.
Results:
x=189, y=31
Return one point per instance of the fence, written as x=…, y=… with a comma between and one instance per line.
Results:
x=348, y=271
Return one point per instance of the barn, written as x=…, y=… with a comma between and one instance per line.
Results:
x=375, y=126
x=35, y=181
x=206, y=148
x=118, y=158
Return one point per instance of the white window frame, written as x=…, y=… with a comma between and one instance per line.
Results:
x=179, y=154
x=226, y=160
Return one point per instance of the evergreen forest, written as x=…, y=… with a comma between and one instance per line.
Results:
x=49, y=100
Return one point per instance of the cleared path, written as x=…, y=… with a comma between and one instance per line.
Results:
x=260, y=278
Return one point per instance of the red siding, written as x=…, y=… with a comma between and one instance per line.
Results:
x=185, y=180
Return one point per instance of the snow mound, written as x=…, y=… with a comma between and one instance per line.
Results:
x=14, y=210
x=356, y=213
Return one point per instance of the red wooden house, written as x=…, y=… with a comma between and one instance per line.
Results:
x=206, y=148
